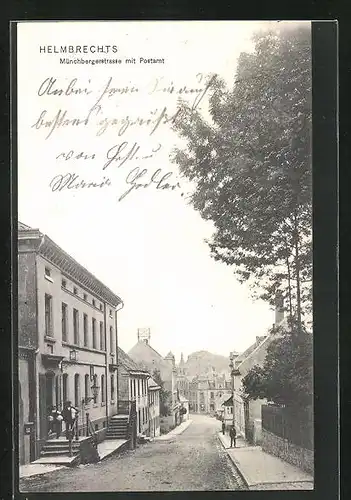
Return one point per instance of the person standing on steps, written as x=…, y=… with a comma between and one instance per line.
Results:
x=232, y=434
x=69, y=414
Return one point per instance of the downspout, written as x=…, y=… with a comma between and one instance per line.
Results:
x=116, y=335
x=106, y=364
x=34, y=410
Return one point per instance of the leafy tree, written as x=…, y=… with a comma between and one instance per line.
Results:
x=286, y=375
x=164, y=394
x=251, y=168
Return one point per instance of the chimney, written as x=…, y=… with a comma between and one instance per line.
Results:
x=279, y=308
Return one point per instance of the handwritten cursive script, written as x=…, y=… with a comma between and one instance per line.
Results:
x=115, y=155
x=71, y=180
x=138, y=178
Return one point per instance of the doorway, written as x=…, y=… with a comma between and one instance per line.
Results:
x=46, y=400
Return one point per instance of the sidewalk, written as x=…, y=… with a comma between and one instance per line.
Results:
x=29, y=470
x=173, y=433
x=262, y=471
x=110, y=446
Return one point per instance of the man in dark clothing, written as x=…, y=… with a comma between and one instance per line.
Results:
x=232, y=434
x=70, y=414
x=223, y=427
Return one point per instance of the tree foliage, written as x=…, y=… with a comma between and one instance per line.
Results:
x=286, y=376
x=251, y=165
x=164, y=394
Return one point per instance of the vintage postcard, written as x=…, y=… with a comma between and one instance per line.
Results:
x=165, y=328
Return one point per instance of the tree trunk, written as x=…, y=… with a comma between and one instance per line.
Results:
x=289, y=282
x=297, y=271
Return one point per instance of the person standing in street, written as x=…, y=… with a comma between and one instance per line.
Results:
x=223, y=427
x=232, y=434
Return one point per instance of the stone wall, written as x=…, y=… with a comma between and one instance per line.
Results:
x=282, y=448
x=166, y=424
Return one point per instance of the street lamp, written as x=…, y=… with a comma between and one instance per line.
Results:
x=233, y=372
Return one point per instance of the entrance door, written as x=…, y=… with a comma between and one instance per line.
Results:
x=46, y=389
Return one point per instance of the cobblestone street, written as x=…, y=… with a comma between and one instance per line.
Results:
x=194, y=460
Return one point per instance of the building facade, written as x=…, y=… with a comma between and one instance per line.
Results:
x=154, y=408
x=133, y=386
x=149, y=359
x=248, y=412
x=208, y=392
x=67, y=331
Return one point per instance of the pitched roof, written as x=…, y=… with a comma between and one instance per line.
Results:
x=228, y=402
x=23, y=227
x=127, y=362
x=148, y=357
x=144, y=349
x=250, y=349
x=152, y=384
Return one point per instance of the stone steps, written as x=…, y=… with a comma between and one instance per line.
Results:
x=53, y=453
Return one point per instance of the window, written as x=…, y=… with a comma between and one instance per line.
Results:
x=111, y=341
x=111, y=313
x=85, y=296
x=94, y=303
x=57, y=392
x=64, y=322
x=101, y=307
x=134, y=387
x=95, y=384
x=65, y=387
x=93, y=324
x=47, y=272
x=85, y=329
x=76, y=390
x=75, y=326
x=102, y=337
x=212, y=395
x=75, y=290
x=48, y=315
x=63, y=283
x=102, y=388
x=86, y=388
x=112, y=387
x=139, y=421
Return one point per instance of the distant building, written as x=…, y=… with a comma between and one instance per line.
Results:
x=183, y=382
x=147, y=357
x=248, y=412
x=133, y=385
x=67, y=324
x=207, y=393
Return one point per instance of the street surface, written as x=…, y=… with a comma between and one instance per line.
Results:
x=193, y=460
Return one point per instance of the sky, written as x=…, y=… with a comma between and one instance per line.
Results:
x=149, y=247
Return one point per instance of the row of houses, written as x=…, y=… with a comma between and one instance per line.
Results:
x=151, y=360
x=248, y=412
x=67, y=334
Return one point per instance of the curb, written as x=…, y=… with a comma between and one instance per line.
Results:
x=173, y=433
x=245, y=483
